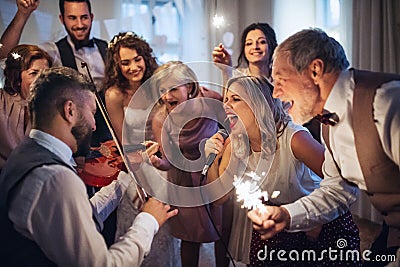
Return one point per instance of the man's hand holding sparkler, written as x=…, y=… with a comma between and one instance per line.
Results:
x=270, y=221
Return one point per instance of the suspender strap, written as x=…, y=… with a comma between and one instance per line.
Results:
x=380, y=173
x=102, y=45
x=66, y=53
x=325, y=137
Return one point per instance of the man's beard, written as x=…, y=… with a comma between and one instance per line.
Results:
x=304, y=111
x=83, y=136
x=300, y=114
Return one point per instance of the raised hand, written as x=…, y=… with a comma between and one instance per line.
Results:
x=27, y=6
x=12, y=34
x=221, y=55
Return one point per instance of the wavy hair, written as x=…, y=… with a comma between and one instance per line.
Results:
x=20, y=58
x=113, y=74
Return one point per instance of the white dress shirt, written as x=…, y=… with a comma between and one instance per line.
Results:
x=90, y=55
x=51, y=207
x=326, y=203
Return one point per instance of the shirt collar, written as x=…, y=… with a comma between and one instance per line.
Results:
x=339, y=93
x=54, y=145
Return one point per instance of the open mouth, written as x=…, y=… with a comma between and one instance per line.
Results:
x=172, y=103
x=257, y=54
x=233, y=119
x=291, y=104
x=287, y=105
x=80, y=31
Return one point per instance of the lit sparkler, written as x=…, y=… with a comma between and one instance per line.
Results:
x=218, y=21
x=250, y=193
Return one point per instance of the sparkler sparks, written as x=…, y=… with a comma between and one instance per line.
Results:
x=218, y=21
x=249, y=192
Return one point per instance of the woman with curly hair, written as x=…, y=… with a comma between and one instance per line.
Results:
x=129, y=63
x=22, y=65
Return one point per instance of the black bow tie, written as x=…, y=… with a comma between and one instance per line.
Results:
x=328, y=118
x=79, y=45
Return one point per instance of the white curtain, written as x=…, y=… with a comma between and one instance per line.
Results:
x=376, y=35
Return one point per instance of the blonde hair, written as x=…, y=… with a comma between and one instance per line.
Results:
x=181, y=72
x=269, y=112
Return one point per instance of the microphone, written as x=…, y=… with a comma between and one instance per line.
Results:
x=211, y=157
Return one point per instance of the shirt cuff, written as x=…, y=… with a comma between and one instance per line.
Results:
x=299, y=220
x=146, y=218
